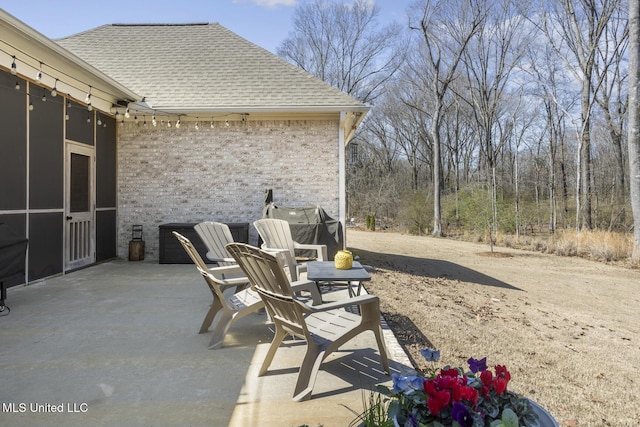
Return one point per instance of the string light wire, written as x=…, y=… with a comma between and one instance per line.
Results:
x=90, y=92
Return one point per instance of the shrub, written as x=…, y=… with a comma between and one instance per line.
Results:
x=417, y=212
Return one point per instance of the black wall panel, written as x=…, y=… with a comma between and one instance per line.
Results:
x=13, y=143
x=106, y=164
x=80, y=124
x=45, y=245
x=105, y=235
x=46, y=152
x=18, y=224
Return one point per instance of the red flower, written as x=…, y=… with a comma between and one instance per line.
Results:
x=500, y=385
x=501, y=371
x=449, y=373
x=486, y=377
x=469, y=394
x=437, y=401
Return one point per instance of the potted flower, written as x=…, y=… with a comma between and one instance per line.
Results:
x=454, y=397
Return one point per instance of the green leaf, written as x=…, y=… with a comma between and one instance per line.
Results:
x=496, y=423
x=509, y=418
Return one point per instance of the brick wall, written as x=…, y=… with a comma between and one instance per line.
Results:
x=187, y=175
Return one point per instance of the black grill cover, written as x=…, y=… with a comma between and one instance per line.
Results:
x=310, y=225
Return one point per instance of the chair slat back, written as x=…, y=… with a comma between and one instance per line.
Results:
x=276, y=234
x=191, y=251
x=200, y=264
x=267, y=276
x=215, y=236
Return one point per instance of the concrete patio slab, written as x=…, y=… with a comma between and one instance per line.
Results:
x=117, y=345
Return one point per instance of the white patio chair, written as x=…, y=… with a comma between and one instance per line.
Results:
x=215, y=236
x=325, y=327
x=276, y=235
x=228, y=307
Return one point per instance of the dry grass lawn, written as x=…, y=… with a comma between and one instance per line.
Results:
x=568, y=329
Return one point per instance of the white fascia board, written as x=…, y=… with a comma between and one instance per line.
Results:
x=92, y=75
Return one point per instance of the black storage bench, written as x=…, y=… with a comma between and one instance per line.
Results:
x=172, y=252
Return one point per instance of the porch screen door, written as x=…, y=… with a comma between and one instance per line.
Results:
x=79, y=250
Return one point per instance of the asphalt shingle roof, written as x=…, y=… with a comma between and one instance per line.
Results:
x=201, y=66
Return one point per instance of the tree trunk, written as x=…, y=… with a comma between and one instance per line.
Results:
x=634, y=122
x=585, y=158
x=437, y=213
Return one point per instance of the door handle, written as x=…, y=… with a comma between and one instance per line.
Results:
x=69, y=218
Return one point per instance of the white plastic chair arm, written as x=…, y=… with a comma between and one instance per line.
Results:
x=321, y=250
x=226, y=269
x=357, y=300
x=309, y=286
x=215, y=259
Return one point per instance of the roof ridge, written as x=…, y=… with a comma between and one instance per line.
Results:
x=159, y=24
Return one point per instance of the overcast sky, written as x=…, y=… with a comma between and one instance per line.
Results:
x=263, y=22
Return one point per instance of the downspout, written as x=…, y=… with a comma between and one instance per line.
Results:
x=342, y=183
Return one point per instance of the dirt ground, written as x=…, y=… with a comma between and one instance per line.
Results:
x=568, y=329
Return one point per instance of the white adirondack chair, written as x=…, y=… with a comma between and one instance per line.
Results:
x=276, y=235
x=325, y=327
x=215, y=236
x=228, y=307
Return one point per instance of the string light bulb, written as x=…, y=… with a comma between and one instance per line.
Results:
x=88, y=118
x=226, y=123
x=54, y=91
x=197, y=126
x=17, y=84
x=178, y=124
x=154, y=122
x=66, y=115
x=212, y=125
x=14, y=66
x=89, y=107
x=30, y=106
x=39, y=73
x=99, y=121
x=87, y=98
x=126, y=113
x=44, y=96
x=135, y=119
x=168, y=123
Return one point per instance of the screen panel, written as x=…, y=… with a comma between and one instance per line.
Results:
x=46, y=151
x=13, y=149
x=106, y=235
x=45, y=244
x=106, y=164
x=80, y=123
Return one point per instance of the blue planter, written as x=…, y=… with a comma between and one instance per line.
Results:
x=546, y=420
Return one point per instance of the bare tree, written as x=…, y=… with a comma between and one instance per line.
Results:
x=341, y=44
x=574, y=28
x=634, y=122
x=610, y=71
x=551, y=86
x=490, y=62
x=445, y=27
